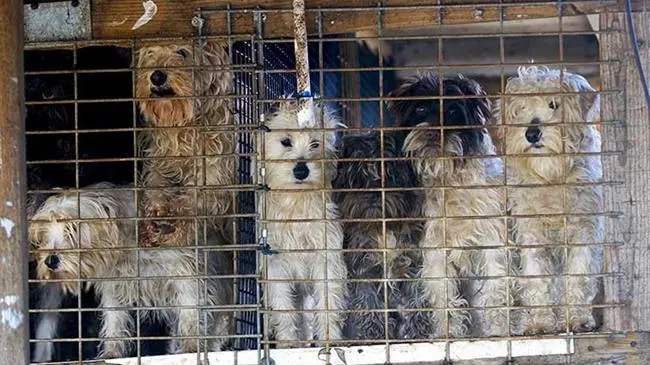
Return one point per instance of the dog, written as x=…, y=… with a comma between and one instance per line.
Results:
x=49, y=325
x=461, y=157
x=49, y=146
x=400, y=238
x=47, y=117
x=189, y=128
x=543, y=135
x=104, y=248
x=296, y=194
x=58, y=322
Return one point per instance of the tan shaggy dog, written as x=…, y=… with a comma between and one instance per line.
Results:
x=296, y=207
x=192, y=145
x=552, y=149
x=91, y=235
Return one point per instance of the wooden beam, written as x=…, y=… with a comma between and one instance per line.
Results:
x=626, y=114
x=14, y=322
x=114, y=19
x=628, y=349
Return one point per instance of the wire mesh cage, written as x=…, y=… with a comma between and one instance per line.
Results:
x=456, y=196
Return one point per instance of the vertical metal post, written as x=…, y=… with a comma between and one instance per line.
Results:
x=14, y=323
x=305, y=98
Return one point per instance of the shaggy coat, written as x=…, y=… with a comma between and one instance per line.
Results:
x=544, y=136
x=400, y=238
x=192, y=146
x=107, y=251
x=302, y=218
x=461, y=217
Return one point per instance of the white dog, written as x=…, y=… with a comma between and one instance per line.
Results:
x=104, y=249
x=320, y=270
x=546, y=133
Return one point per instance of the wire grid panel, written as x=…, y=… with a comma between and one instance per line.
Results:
x=410, y=281
x=474, y=243
x=92, y=108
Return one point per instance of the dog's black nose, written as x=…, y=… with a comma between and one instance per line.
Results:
x=48, y=94
x=533, y=134
x=301, y=171
x=52, y=261
x=535, y=121
x=158, y=78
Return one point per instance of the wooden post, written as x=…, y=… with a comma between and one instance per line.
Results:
x=626, y=129
x=14, y=320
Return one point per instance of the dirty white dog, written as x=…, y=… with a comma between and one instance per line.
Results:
x=547, y=133
x=464, y=216
x=104, y=248
x=295, y=196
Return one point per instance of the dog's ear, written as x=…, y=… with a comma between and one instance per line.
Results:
x=213, y=52
x=586, y=110
x=412, y=112
x=397, y=106
x=588, y=99
x=482, y=104
x=273, y=108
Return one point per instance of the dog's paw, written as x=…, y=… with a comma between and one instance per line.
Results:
x=177, y=346
x=581, y=320
x=539, y=321
x=112, y=350
x=43, y=352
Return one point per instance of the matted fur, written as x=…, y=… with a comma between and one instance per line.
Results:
x=95, y=250
x=179, y=167
x=458, y=216
x=325, y=297
x=562, y=121
x=402, y=260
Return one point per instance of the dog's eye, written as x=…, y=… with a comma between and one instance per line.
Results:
x=420, y=110
x=286, y=142
x=314, y=144
x=183, y=52
x=554, y=105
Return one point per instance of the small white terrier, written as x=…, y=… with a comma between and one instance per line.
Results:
x=544, y=135
x=321, y=272
x=104, y=248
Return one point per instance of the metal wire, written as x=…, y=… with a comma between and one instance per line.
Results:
x=263, y=73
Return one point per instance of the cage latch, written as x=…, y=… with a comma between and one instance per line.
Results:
x=264, y=128
x=264, y=247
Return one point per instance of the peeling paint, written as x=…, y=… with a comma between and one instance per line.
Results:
x=150, y=9
x=14, y=79
x=11, y=317
x=8, y=225
x=9, y=203
x=116, y=23
x=10, y=299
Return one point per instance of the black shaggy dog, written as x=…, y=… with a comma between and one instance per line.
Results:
x=402, y=260
x=51, y=146
x=453, y=163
